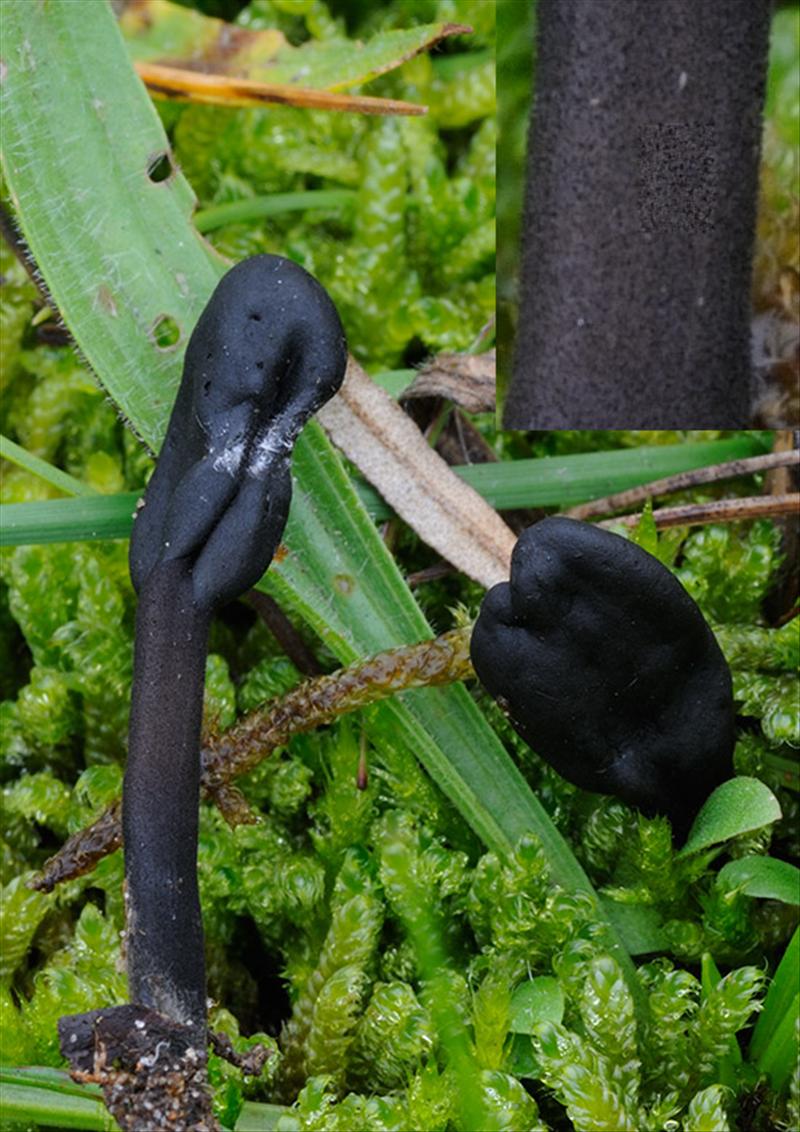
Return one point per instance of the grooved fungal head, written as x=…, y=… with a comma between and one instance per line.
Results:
x=267, y=352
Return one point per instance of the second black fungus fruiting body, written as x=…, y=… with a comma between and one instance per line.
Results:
x=640, y=215
x=608, y=669
x=267, y=352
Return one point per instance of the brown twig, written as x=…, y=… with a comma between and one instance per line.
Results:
x=622, y=500
x=431, y=573
x=285, y=633
x=780, y=602
x=719, y=511
x=81, y=852
x=443, y=660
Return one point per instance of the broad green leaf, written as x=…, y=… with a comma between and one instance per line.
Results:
x=157, y=31
x=766, y=877
x=737, y=806
x=122, y=262
x=540, y=999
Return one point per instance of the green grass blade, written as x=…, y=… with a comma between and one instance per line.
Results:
x=780, y=1054
x=561, y=481
x=80, y=519
x=26, y=1102
x=257, y=208
x=119, y=256
x=493, y=791
x=550, y=481
x=15, y=454
x=778, y=1003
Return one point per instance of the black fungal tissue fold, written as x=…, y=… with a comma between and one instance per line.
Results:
x=639, y=216
x=267, y=352
x=608, y=669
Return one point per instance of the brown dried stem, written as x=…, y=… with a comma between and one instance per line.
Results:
x=719, y=511
x=443, y=660
x=732, y=469
x=284, y=633
x=83, y=850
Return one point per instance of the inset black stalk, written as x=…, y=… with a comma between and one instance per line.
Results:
x=607, y=668
x=640, y=215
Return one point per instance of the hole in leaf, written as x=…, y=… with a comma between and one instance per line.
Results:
x=159, y=168
x=165, y=332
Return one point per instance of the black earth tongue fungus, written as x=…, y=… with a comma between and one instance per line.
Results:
x=608, y=670
x=640, y=214
x=267, y=352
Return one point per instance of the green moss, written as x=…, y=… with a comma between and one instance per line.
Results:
x=727, y=569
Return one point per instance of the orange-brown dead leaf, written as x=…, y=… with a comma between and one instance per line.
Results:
x=183, y=85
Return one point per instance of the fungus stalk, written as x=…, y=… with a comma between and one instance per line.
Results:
x=164, y=936
x=267, y=352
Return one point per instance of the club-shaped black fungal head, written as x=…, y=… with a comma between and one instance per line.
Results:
x=608, y=669
x=266, y=353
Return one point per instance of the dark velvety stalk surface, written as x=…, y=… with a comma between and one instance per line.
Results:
x=165, y=931
x=640, y=213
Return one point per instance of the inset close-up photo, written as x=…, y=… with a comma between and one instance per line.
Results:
x=648, y=268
